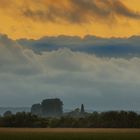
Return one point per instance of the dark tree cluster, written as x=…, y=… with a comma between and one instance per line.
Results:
x=112, y=119
x=21, y=119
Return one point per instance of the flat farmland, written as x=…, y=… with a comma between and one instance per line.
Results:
x=68, y=134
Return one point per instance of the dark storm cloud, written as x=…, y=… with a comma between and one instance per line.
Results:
x=80, y=11
x=113, y=47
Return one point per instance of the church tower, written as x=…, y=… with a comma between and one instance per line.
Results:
x=82, y=109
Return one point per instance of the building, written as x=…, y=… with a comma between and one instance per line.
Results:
x=36, y=109
x=48, y=108
x=82, y=109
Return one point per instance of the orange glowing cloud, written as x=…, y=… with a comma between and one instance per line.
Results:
x=37, y=18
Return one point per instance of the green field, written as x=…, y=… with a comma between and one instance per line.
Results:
x=103, y=134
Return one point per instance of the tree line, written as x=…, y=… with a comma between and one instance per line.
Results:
x=111, y=119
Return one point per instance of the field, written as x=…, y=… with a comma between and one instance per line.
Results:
x=69, y=134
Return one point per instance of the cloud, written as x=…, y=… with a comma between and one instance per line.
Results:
x=75, y=77
x=13, y=59
x=105, y=47
x=37, y=18
x=70, y=11
x=80, y=11
x=122, y=10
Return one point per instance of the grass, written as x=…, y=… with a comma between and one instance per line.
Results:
x=42, y=135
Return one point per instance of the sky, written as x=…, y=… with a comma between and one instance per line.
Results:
x=81, y=51
x=37, y=18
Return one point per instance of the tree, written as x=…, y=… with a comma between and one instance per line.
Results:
x=7, y=113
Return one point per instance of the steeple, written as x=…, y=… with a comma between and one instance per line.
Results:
x=82, y=109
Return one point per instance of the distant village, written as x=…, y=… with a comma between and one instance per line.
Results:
x=54, y=108
x=49, y=114
x=50, y=108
